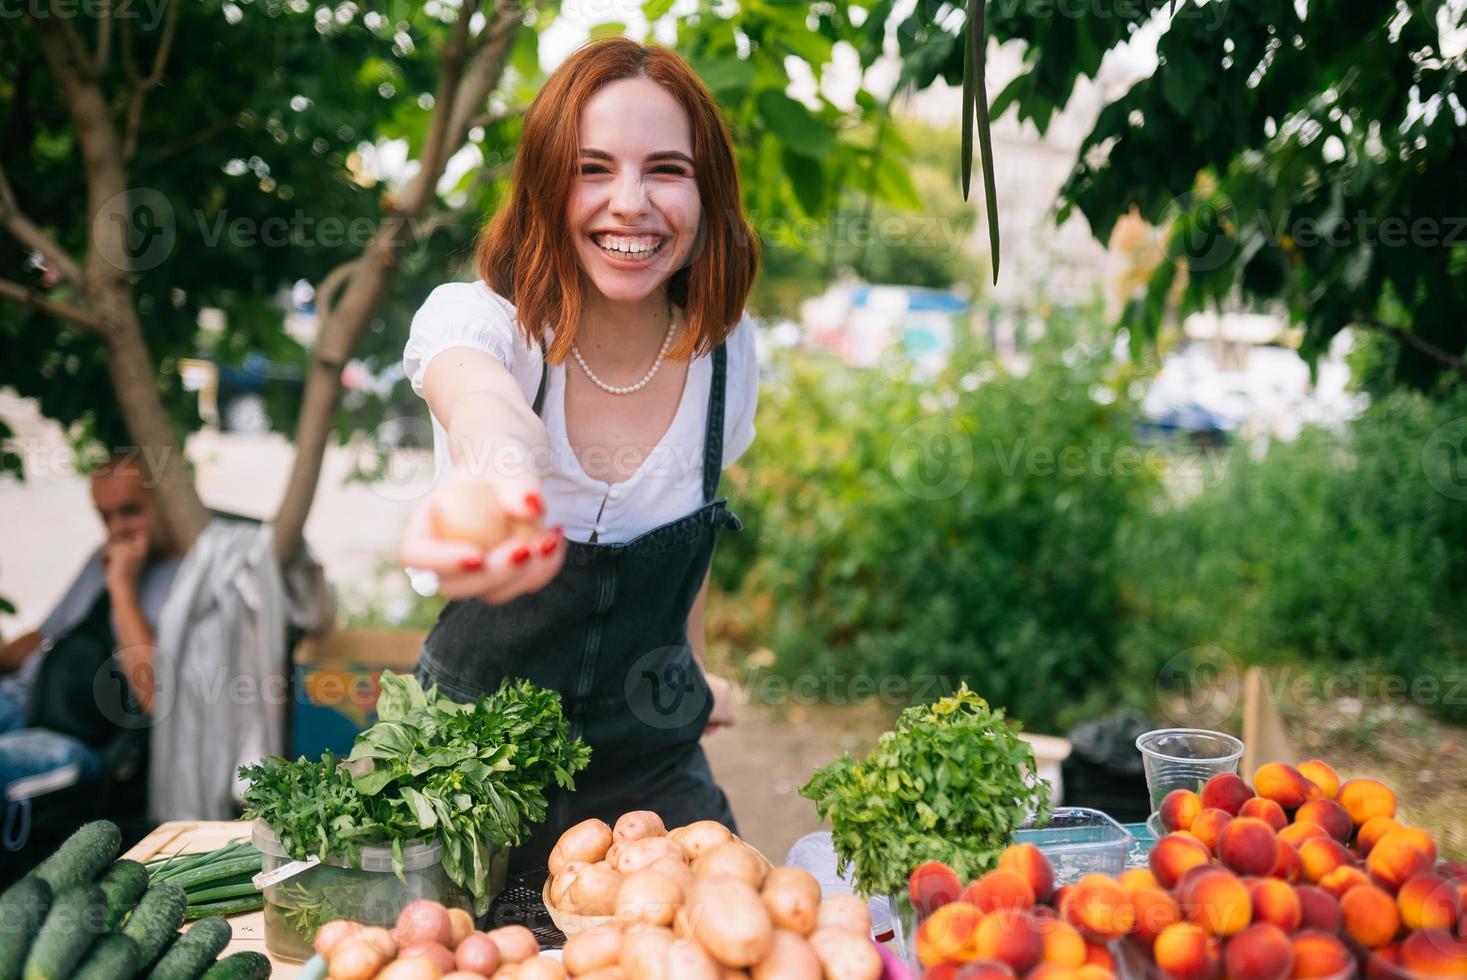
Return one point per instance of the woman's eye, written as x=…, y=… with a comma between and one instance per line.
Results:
x=591, y=168
x=669, y=169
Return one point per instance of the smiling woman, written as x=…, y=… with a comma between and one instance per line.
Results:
x=623, y=253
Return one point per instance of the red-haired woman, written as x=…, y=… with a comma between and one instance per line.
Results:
x=601, y=373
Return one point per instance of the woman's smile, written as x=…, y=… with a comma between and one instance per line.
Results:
x=628, y=251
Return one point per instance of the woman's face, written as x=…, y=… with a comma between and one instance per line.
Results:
x=634, y=207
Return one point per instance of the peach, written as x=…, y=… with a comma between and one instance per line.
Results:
x=1321, y=774
x=931, y=886
x=1218, y=902
x=1100, y=956
x=1266, y=810
x=980, y=970
x=1320, y=856
x=1093, y=971
x=1053, y=971
x=1318, y=954
x=1155, y=910
x=1276, y=903
x=1289, y=867
x=1133, y=878
x=1342, y=879
x=1318, y=909
x=1173, y=855
x=1300, y=831
x=1401, y=854
x=1372, y=831
x=1433, y=952
x=1248, y=846
x=1100, y=908
x=1259, y=952
x=1282, y=783
x=1029, y=862
x=1010, y=936
x=1209, y=825
x=999, y=889
x=1184, y=951
x=1366, y=798
x=944, y=933
x=1369, y=916
x=1429, y=902
x=1063, y=943
x=1179, y=808
x=1384, y=963
x=1227, y=792
x=1329, y=815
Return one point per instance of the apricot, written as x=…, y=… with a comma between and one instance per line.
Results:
x=1248, y=846
x=1209, y=825
x=1318, y=954
x=1275, y=902
x=1155, y=910
x=1100, y=956
x=1329, y=815
x=1384, y=963
x=1063, y=943
x=931, y=886
x=1429, y=902
x=1092, y=971
x=1173, y=855
x=979, y=970
x=1343, y=879
x=1300, y=831
x=1321, y=855
x=1030, y=863
x=1219, y=903
x=1318, y=909
x=1369, y=916
x=1134, y=878
x=1401, y=854
x=1266, y=810
x=1100, y=908
x=1259, y=952
x=1179, y=808
x=944, y=933
x=1434, y=953
x=1282, y=783
x=1010, y=936
x=999, y=889
x=1227, y=792
x=1053, y=971
x=1323, y=775
x=1289, y=867
x=1366, y=798
x=1186, y=952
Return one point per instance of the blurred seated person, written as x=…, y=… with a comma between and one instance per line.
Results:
x=86, y=674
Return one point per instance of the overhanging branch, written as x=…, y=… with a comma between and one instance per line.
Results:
x=1417, y=343
x=144, y=86
x=30, y=298
x=29, y=234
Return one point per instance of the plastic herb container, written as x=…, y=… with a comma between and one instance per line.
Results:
x=1079, y=841
x=369, y=892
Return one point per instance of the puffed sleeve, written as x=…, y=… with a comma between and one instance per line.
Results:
x=743, y=391
x=459, y=314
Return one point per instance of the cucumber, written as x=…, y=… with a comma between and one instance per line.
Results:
x=75, y=922
x=114, y=958
x=122, y=885
x=155, y=921
x=22, y=910
x=194, y=951
x=241, y=966
x=207, y=874
x=82, y=856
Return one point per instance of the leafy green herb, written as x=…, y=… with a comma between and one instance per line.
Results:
x=471, y=775
x=951, y=783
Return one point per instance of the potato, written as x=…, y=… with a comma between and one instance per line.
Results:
x=648, y=897
x=613, y=853
x=471, y=512
x=333, y=932
x=461, y=924
x=355, y=958
x=560, y=884
x=792, y=896
x=464, y=975
x=730, y=921
x=381, y=939
x=540, y=968
x=594, y=890
x=845, y=912
x=478, y=953
x=594, y=949
x=846, y=955
x=507, y=971
x=638, y=824
x=734, y=859
x=605, y=973
x=790, y=958
x=643, y=949
x=678, y=871
x=587, y=841
x=686, y=960
x=412, y=968
x=638, y=854
x=516, y=943
x=701, y=836
x=423, y=921
x=436, y=952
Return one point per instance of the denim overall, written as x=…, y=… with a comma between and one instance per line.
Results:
x=610, y=634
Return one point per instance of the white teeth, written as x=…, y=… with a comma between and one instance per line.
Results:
x=634, y=247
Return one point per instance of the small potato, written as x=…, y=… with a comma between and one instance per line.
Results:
x=730, y=921
x=516, y=943
x=540, y=968
x=507, y=971
x=478, y=953
x=594, y=890
x=587, y=841
x=648, y=897
x=734, y=859
x=463, y=975
x=846, y=955
x=701, y=836
x=594, y=949
x=792, y=896
x=423, y=921
x=333, y=932
x=790, y=958
x=381, y=939
x=643, y=950
x=412, y=968
x=560, y=884
x=605, y=973
x=678, y=871
x=637, y=825
x=461, y=924
x=845, y=912
x=439, y=954
x=686, y=960
x=638, y=854
x=355, y=958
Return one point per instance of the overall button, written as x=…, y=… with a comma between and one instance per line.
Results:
x=600, y=529
x=615, y=493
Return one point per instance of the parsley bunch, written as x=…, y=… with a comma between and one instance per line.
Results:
x=472, y=775
x=951, y=783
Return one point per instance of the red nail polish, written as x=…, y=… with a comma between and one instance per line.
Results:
x=549, y=545
x=471, y=564
x=534, y=504
x=519, y=556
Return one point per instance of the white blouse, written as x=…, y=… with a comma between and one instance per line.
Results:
x=669, y=482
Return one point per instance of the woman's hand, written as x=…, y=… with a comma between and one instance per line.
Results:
x=512, y=568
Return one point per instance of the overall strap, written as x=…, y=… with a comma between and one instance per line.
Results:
x=544, y=373
x=713, y=436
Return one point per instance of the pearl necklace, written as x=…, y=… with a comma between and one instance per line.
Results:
x=628, y=389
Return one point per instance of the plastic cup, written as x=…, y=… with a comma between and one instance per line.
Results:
x=1185, y=758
